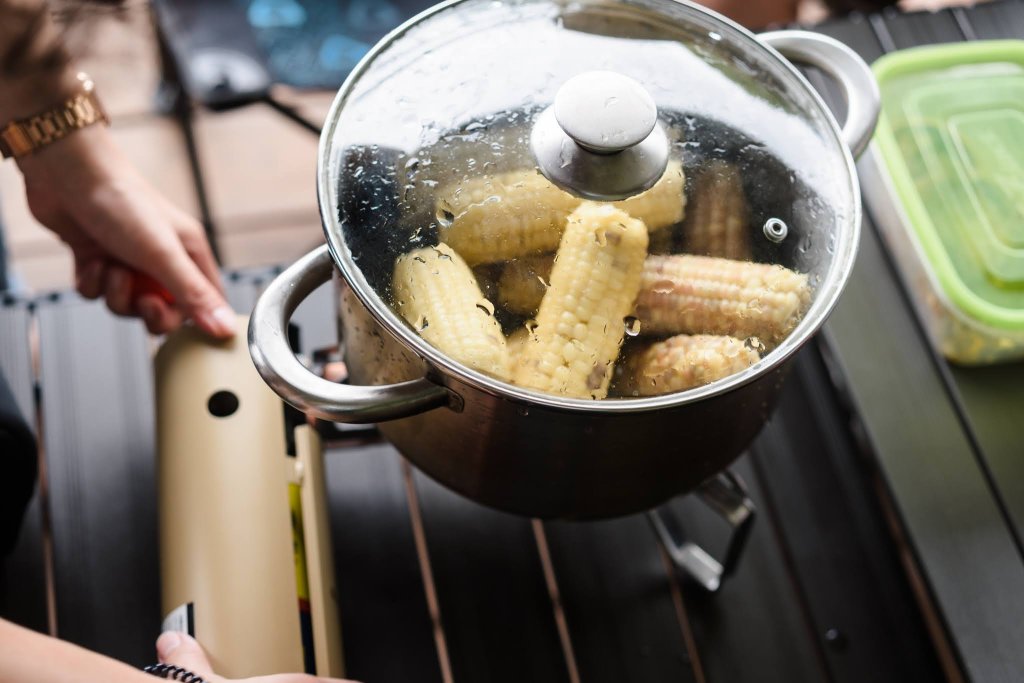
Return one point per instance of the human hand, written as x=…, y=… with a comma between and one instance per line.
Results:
x=131, y=246
x=182, y=650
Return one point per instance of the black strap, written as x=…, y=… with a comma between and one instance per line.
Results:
x=173, y=673
x=18, y=467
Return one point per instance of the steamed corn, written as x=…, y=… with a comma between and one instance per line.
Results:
x=505, y=216
x=579, y=327
x=679, y=363
x=662, y=205
x=516, y=344
x=436, y=292
x=717, y=223
x=685, y=294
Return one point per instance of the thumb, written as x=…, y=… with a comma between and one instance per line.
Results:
x=180, y=649
x=196, y=296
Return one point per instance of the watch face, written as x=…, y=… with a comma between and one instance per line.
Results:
x=315, y=43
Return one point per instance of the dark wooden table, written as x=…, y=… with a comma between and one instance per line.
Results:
x=889, y=486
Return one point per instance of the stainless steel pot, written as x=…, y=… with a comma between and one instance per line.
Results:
x=415, y=112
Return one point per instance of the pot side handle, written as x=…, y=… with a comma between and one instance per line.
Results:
x=843, y=64
x=277, y=364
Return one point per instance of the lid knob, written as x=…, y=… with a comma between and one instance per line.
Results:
x=605, y=112
x=601, y=139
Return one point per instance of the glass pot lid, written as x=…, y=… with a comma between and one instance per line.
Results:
x=490, y=134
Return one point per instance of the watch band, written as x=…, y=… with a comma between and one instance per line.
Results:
x=24, y=136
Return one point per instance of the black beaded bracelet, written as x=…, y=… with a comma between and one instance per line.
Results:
x=173, y=673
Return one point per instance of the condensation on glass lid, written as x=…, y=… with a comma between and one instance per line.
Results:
x=651, y=295
x=464, y=54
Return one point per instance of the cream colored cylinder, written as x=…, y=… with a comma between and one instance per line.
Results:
x=225, y=530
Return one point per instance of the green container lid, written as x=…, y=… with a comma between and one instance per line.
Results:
x=951, y=135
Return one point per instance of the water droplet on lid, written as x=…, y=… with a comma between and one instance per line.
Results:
x=715, y=36
x=445, y=217
x=663, y=287
x=632, y=325
x=755, y=344
x=485, y=306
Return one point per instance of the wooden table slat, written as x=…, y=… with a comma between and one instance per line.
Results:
x=618, y=602
x=957, y=530
x=856, y=32
x=386, y=626
x=999, y=19
x=22, y=573
x=16, y=357
x=97, y=399
x=819, y=489
x=755, y=627
x=910, y=29
x=495, y=608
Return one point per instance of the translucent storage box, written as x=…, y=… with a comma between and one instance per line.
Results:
x=945, y=180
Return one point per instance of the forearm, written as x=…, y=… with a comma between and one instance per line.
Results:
x=29, y=657
x=35, y=68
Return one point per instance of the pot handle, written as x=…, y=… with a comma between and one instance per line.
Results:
x=277, y=364
x=843, y=64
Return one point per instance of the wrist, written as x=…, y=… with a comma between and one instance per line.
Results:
x=25, y=96
x=26, y=137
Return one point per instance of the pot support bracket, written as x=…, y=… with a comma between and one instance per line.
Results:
x=726, y=495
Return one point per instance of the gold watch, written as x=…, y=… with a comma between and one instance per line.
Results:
x=22, y=137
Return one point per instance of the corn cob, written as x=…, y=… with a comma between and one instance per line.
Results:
x=516, y=344
x=662, y=205
x=679, y=363
x=718, y=221
x=497, y=218
x=686, y=294
x=503, y=217
x=520, y=289
x=436, y=293
x=580, y=325
x=523, y=282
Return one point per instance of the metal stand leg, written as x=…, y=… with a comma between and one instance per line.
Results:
x=726, y=495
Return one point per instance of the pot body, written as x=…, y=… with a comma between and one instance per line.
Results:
x=545, y=462
x=500, y=444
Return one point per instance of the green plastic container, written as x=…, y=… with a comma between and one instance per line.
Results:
x=945, y=176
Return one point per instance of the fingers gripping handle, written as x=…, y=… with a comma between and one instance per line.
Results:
x=277, y=364
x=844, y=65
